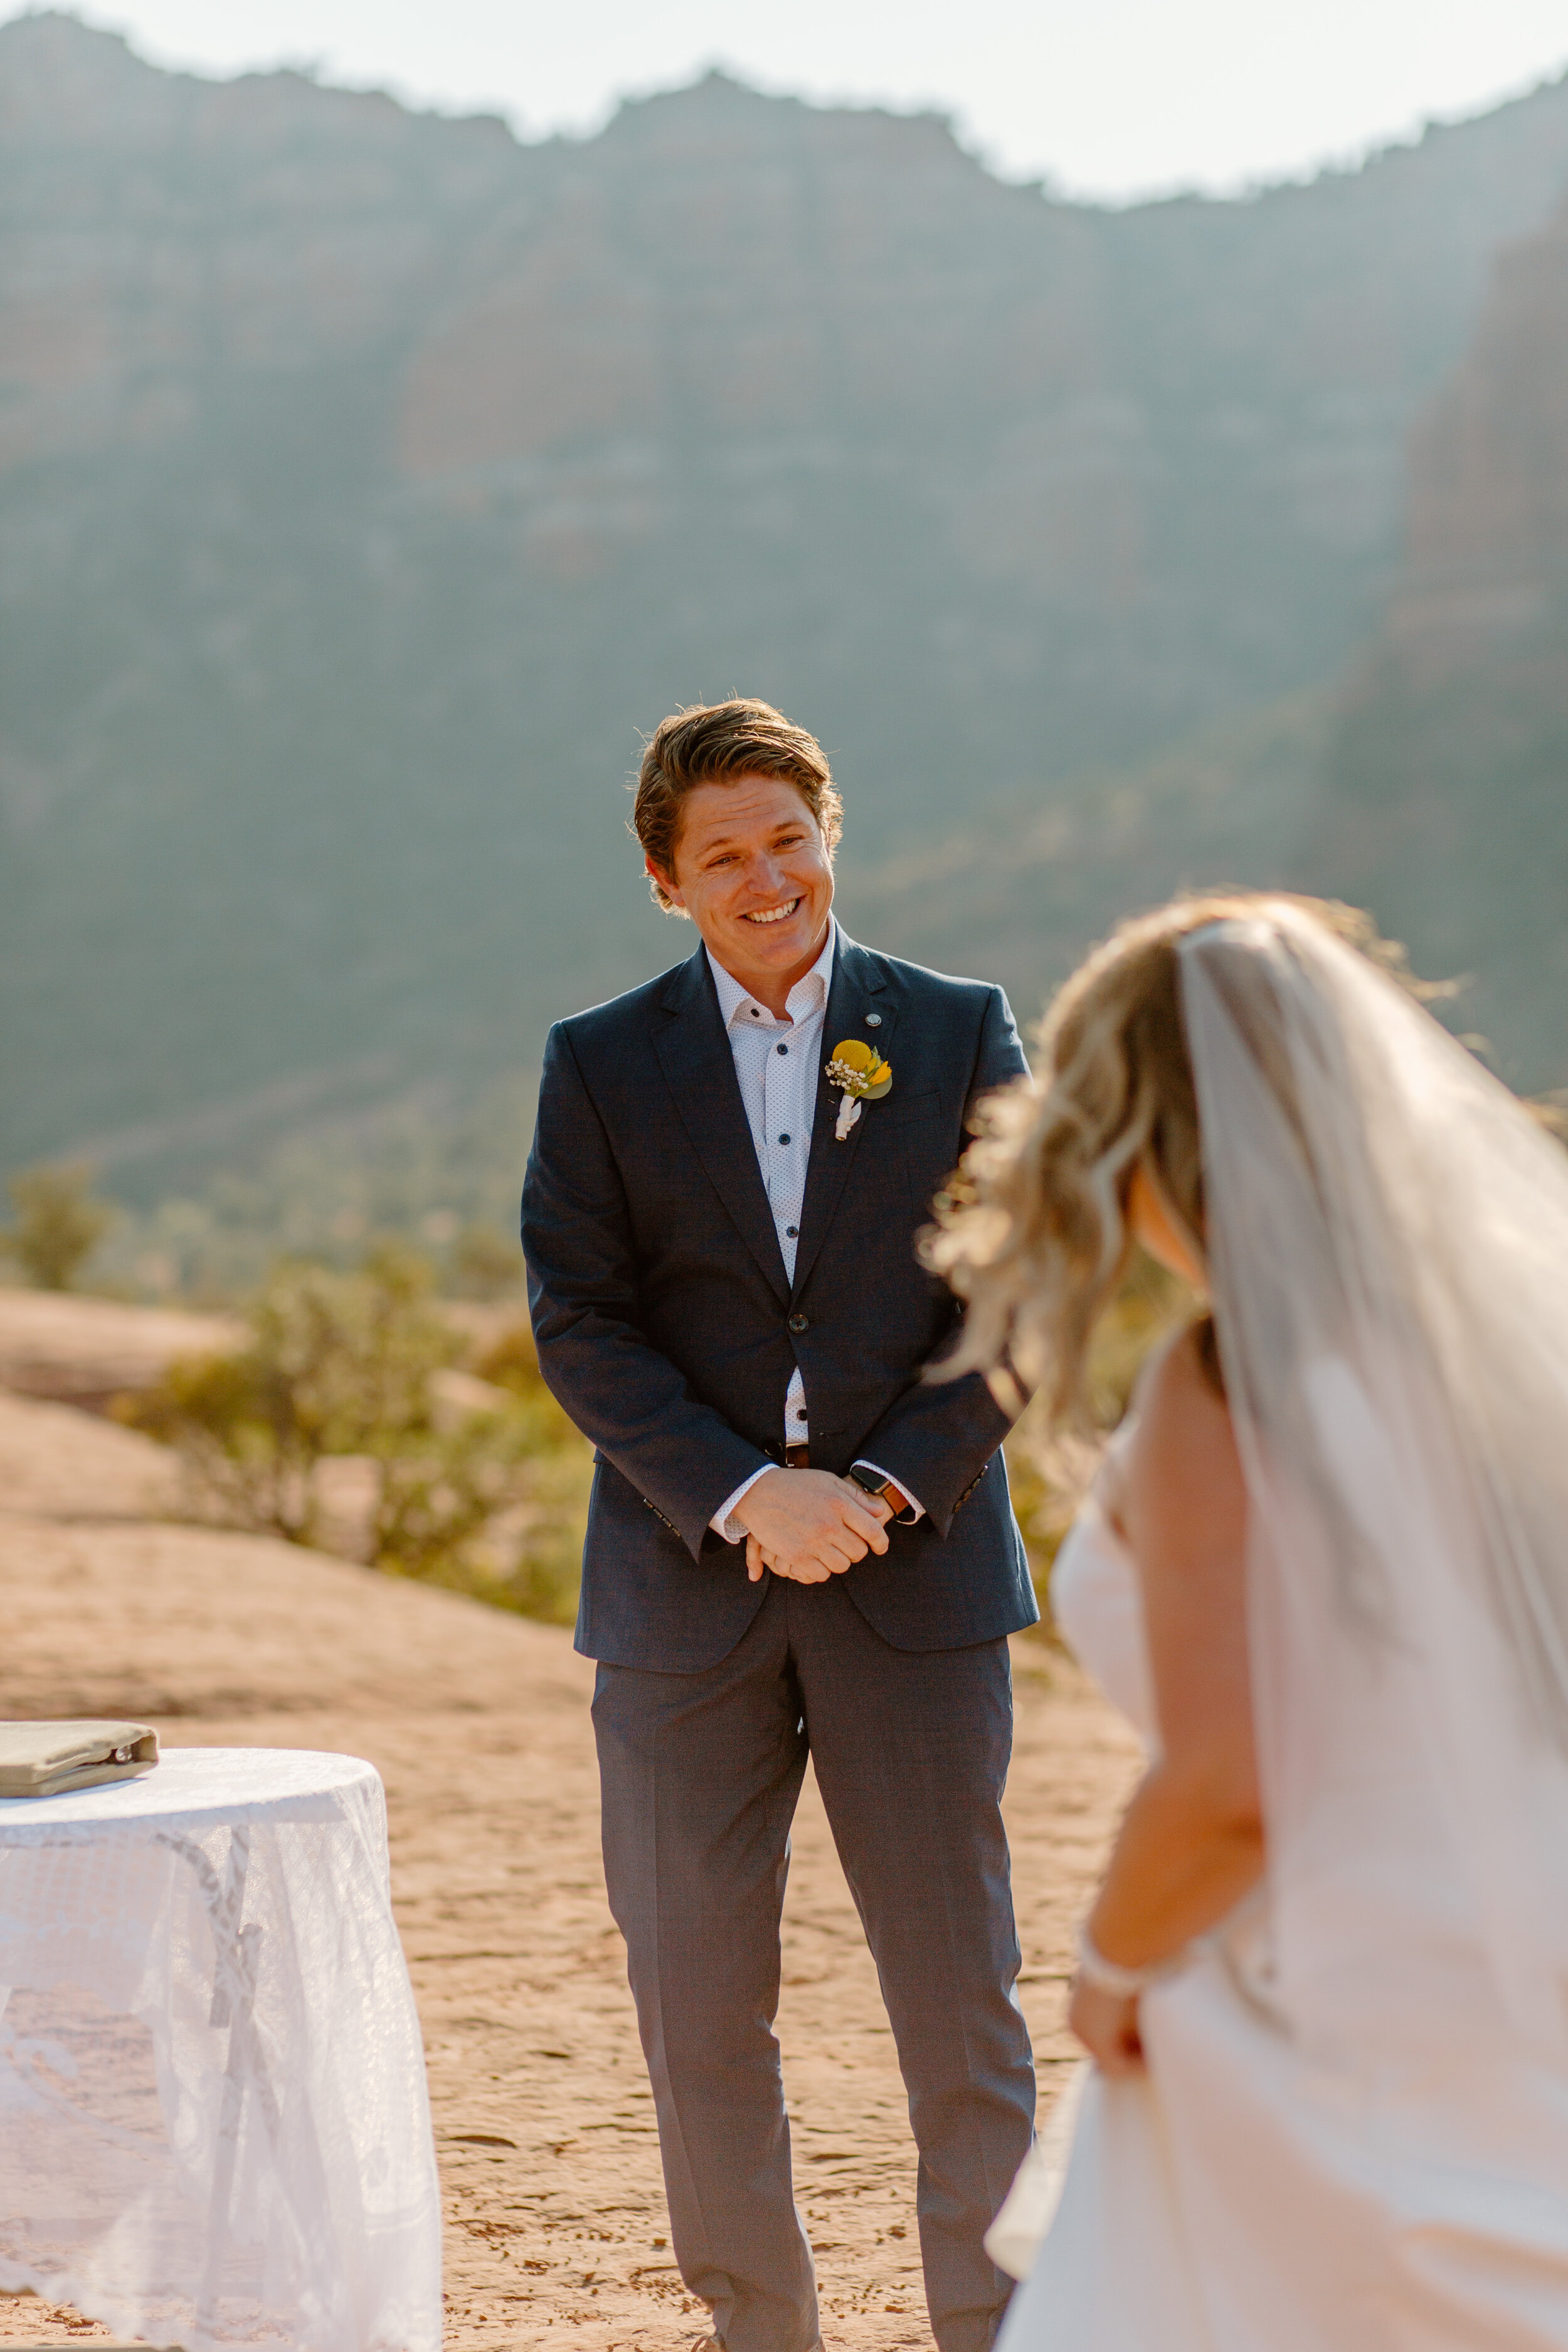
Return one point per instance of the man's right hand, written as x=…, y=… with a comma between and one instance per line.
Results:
x=809, y=1525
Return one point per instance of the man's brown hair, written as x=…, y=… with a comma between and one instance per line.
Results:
x=716, y=744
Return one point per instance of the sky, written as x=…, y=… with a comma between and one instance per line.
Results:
x=1104, y=99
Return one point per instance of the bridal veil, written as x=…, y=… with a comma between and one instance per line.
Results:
x=1388, y=1231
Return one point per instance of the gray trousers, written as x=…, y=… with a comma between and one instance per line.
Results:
x=700, y=1775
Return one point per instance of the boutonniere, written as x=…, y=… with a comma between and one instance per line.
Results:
x=859, y=1071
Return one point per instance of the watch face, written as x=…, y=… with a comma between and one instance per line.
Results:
x=870, y=1480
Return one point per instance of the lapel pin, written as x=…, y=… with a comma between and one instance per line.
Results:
x=873, y=1020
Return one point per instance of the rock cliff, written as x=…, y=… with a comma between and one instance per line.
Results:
x=368, y=480
x=1447, y=803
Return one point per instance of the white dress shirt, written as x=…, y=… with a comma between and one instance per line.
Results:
x=777, y=1063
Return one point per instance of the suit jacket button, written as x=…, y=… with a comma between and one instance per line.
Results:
x=800, y=1322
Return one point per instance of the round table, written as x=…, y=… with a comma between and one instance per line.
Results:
x=215, y=2129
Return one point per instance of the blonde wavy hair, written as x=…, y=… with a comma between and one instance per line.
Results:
x=1032, y=1232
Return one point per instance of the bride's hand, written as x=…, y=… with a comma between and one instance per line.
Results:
x=1107, y=2025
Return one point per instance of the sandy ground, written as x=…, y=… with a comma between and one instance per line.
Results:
x=556, y=2232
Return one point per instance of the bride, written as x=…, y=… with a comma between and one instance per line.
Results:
x=1325, y=1573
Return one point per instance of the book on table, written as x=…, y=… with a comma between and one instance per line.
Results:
x=42, y=1759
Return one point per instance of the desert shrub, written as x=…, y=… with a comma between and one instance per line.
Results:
x=546, y=1565
x=485, y=1264
x=489, y=1500
x=511, y=1362
x=335, y=1364
x=58, y=1223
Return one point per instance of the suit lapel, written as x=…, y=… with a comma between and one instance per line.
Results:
x=860, y=986
x=700, y=1070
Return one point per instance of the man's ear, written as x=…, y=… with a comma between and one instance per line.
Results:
x=667, y=883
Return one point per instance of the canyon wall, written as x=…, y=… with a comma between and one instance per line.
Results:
x=1446, y=804
x=370, y=480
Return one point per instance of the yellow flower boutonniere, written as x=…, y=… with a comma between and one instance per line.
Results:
x=858, y=1069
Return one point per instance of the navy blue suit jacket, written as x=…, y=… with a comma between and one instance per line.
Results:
x=668, y=1329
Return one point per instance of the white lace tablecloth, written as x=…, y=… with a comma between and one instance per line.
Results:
x=214, y=2128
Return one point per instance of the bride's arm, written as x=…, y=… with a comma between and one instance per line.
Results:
x=1191, y=1842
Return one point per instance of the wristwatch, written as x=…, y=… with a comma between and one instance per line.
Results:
x=874, y=1483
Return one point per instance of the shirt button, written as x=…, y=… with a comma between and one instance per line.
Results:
x=801, y=1414
x=792, y=1232
x=783, y=1139
x=783, y=1049
x=800, y=1322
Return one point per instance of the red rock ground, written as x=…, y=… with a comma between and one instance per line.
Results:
x=556, y=2229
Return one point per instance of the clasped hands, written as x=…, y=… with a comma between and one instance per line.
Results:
x=809, y=1525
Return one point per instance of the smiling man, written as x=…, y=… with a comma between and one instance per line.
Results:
x=795, y=1547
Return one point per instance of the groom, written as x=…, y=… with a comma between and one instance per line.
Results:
x=794, y=1547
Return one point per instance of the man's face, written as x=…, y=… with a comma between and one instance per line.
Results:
x=752, y=872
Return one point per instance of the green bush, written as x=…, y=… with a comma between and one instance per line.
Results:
x=490, y=1501
x=485, y=1264
x=336, y=1364
x=546, y=1567
x=58, y=1223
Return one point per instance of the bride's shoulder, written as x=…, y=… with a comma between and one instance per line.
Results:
x=1181, y=1372
x=1181, y=1448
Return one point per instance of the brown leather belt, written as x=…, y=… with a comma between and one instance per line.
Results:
x=798, y=1456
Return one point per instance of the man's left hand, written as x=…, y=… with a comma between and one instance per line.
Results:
x=882, y=1507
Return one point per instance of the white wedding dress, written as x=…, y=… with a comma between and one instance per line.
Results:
x=1379, y=2166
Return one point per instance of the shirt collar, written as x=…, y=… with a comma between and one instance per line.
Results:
x=808, y=994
